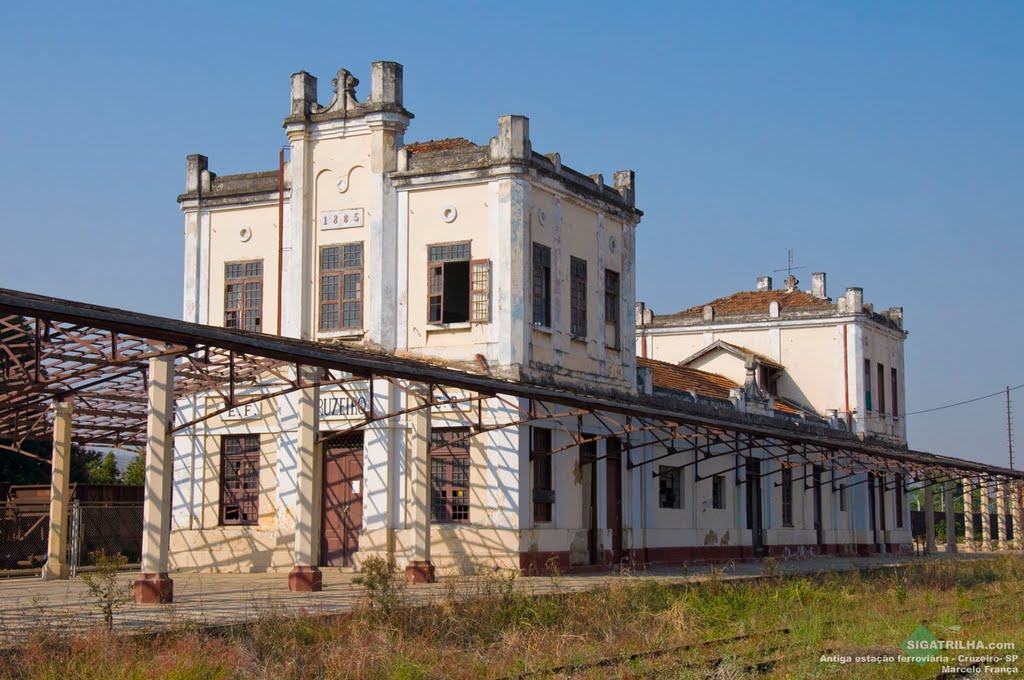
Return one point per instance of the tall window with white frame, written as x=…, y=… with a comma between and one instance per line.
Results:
x=341, y=287
x=449, y=474
x=787, y=497
x=867, y=385
x=612, y=315
x=578, y=297
x=670, y=487
x=240, y=479
x=718, y=492
x=243, y=295
x=541, y=285
x=881, y=389
x=894, y=393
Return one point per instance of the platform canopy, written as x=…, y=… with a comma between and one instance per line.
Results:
x=52, y=350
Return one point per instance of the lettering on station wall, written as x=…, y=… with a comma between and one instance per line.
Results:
x=343, y=406
x=245, y=412
x=341, y=219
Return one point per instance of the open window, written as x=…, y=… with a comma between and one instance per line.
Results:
x=458, y=289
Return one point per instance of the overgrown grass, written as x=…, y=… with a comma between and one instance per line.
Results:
x=496, y=627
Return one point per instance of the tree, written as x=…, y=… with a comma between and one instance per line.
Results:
x=135, y=472
x=102, y=470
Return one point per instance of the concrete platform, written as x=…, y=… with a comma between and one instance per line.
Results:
x=222, y=599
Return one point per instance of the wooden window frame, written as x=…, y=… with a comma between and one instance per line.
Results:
x=342, y=270
x=613, y=307
x=867, y=386
x=233, y=491
x=449, y=463
x=881, y=388
x=894, y=396
x=578, y=298
x=542, y=470
x=541, y=295
x=718, y=492
x=479, y=291
x=245, y=313
x=670, y=487
x=787, y=497
x=898, y=505
x=436, y=267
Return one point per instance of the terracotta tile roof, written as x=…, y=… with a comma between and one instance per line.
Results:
x=672, y=377
x=756, y=302
x=447, y=144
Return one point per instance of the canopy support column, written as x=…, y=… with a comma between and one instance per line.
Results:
x=305, y=576
x=154, y=586
x=947, y=501
x=968, y=495
x=929, y=518
x=420, y=569
x=56, y=566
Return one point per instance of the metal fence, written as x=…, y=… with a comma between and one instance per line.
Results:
x=114, y=527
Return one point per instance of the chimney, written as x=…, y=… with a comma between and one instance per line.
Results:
x=895, y=314
x=513, y=140
x=386, y=83
x=625, y=184
x=764, y=283
x=818, y=285
x=303, y=94
x=195, y=166
x=640, y=307
x=709, y=313
x=791, y=283
x=855, y=300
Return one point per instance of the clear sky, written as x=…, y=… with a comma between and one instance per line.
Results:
x=882, y=141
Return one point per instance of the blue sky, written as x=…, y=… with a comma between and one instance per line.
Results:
x=882, y=141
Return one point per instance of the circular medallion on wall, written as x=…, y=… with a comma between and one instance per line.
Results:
x=542, y=216
x=244, y=234
x=612, y=243
x=449, y=213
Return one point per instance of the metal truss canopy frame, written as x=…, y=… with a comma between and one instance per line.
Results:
x=53, y=349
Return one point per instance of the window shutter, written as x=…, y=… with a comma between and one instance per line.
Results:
x=480, y=291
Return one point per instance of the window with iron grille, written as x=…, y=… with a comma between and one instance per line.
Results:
x=449, y=283
x=670, y=487
x=543, y=491
x=612, y=322
x=578, y=297
x=842, y=498
x=718, y=492
x=899, y=500
x=449, y=475
x=240, y=479
x=341, y=287
x=787, y=497
x=541, y=285
x=243, y=295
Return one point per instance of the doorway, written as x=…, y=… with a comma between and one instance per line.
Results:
x=755, y=514
x=819, y=530
x=588, y=483
x=342, y=517
x=613, y=467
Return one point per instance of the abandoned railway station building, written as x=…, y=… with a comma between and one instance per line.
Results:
x=427, y=352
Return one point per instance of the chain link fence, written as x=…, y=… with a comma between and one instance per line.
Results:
x=111, y=526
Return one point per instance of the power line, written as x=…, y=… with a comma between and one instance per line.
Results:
x=967, y=401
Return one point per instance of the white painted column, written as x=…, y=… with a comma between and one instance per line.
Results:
x=419, y=569
x=56, y=566
x=1004, y=543
x=929, y=518
x=947, y=502
x=154, y=586
x=986, y=517
x=969, y=544
x=305, y=575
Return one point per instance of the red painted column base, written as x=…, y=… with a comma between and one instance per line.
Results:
x=419, y=571
x=305, y=580
x=153, y=588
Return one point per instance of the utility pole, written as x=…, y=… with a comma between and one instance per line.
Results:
x=1009, y=426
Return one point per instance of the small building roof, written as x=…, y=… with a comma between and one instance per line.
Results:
x=446, y=144
x=684, y=379
x=735, y=350
x=751, y=303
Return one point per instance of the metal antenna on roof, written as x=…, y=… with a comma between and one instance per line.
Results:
x=789, y=268
x=791, y=282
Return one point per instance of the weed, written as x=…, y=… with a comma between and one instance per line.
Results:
x=385, y=589
x=104, y=587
